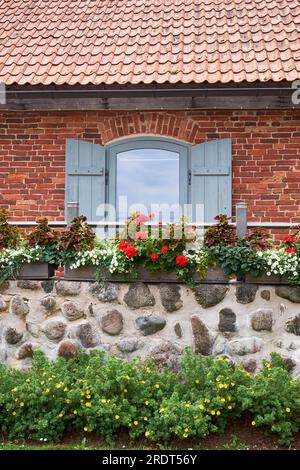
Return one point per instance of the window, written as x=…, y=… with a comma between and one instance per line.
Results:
x=148, y=175
x=151, y=172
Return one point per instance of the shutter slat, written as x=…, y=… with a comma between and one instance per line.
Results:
x=85, y=174
x=211, y=179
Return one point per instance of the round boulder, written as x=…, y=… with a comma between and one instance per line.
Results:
x=67, y=349
x=151, y=324
x=25, y=351
x=112, y=322
x=49, y=303
x=139, y=296
x=71, y=310
x=170, y=297
x=12, y=335
x=55, y=329
x=85, y=334
x=68, y=288
x=166, y=354
x=19, y=306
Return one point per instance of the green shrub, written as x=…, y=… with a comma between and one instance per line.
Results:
x=104, y=395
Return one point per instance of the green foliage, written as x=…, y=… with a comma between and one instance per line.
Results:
x=239, y=259
x=104, y=395
x=9, y=235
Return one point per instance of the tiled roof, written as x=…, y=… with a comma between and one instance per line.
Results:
x=148, y=41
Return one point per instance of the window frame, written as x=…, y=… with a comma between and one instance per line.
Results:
x=136, y=143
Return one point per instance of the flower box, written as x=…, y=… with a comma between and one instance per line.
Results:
x=274, y=279
x=87, y=273
x=214, y=275
x=36, y=271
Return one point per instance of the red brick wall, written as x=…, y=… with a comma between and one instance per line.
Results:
x=266, y=154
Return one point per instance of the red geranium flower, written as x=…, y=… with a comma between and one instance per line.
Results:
x=289, y=238
x=181, y=261
x=123, y=245
x=164, y=249
x=291, y=250
x=154, y=256
x=130, y=251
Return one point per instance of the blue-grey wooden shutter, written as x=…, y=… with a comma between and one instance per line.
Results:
x=211, y=179
x=85, y=177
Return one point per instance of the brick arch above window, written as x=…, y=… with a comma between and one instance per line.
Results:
x=179, y=126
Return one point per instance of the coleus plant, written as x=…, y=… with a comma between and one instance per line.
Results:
x=9, y=234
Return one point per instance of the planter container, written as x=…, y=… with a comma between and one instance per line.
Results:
x=84, y=273
x=274, y=279
x=36, y=271
x=213, y=276
x=87, y=273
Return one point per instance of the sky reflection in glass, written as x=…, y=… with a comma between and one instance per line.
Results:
x=148, y=177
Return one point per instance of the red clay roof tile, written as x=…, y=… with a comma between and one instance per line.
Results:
x=148, y=41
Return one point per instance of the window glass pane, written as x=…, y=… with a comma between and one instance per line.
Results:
x=148, y=180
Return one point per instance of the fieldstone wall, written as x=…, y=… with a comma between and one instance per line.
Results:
x=244, y=321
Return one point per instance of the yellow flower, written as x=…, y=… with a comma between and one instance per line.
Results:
x=85, y=429
x=223, y=400
x=201, y=406
x=288, y=410
x=88, y=404
x=60, y=415
x=27, y=380
x=218, y=413
x=187, y=405
x=227, y=359
x=135, y=423
x=225, y=386
x=14, y=413
x=207, y=400
x=147, y=433
x=82, y=394
x=221, y=385
x=232, y=384
x=103, y=400
x=125, y=390
x=186, y=430
x=88, y=397
x=185, y=435
x=145, y=418
x=197, y=381
x=229, y=407
x=253, y=423
x=228, y=397
x=213, y=412
x=117, y=417
x=143, y=381
x=22, y=404
x=147, y=402
x=148, y=370
x=75, y=412
x=161, y=410
x=42, y=382
x=58, y=386
x=156, y=385
x=67, y=400
x=14, y=389
x=66, y=389
x=47, y=390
